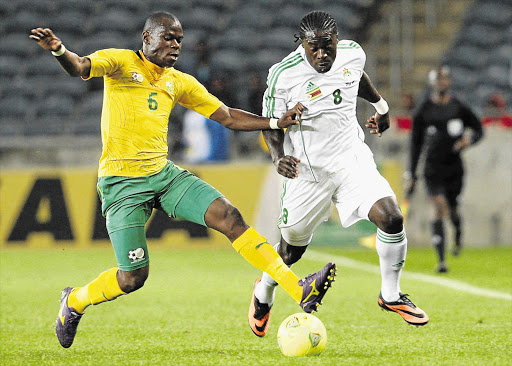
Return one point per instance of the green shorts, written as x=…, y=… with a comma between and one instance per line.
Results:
x=127, y=204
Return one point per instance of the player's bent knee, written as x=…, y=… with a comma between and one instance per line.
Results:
x=226, y=218
x=130, y=281
x=292, y=254
x=392, y=223
x=396, y=222
x=233, y=224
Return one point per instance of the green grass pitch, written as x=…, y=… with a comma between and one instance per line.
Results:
x=193, y=311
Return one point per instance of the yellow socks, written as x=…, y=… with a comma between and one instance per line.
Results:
x=104, y=288
x=258, y=252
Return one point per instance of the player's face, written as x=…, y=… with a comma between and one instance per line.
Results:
x=162, y=45
x=321, y=50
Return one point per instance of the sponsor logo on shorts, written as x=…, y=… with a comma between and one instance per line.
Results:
x=136, y=255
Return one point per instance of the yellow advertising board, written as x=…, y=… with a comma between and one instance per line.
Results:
x=53, y=207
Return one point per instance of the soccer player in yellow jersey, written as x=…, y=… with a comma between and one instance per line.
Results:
x=134, y=176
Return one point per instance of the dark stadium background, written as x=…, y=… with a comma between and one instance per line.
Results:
x=48, y=119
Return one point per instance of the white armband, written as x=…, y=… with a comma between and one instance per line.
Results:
x=60, y=51
x=273, y=124
x=381, y=106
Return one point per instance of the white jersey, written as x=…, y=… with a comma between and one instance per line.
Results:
x=329, y=129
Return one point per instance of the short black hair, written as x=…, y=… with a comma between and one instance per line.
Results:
x=315, y=21
x=156, y=18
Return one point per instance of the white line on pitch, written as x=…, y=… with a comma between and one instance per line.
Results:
x=435, y=280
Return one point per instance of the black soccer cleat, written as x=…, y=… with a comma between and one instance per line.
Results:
x=315, y=286
x=67, y=320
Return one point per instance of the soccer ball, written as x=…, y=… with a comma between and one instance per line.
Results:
x=301, y=334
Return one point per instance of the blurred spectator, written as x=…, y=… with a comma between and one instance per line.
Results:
x=204, y=140
x=181, y=146
x=255, y=97
x=254, y=105
x=220, y=86
x=201, y=66
x=496, y=112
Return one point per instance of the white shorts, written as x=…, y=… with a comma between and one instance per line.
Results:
x=354, y=189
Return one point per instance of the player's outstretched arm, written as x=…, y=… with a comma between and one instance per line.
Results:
x=367, y=90
x=286, y=165
x=237, y=119
x=73, y=64
x=379, y=122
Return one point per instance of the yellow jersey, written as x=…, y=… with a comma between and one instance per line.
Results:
x=137, y=102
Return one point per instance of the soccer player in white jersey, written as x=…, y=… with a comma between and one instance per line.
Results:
x=325, y=160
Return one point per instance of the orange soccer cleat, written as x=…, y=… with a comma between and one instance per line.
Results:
x=406, y=308
x=259, y=314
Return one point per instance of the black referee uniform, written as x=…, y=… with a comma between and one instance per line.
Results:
x=436, y=128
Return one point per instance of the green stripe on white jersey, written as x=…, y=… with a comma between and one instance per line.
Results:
x=345, y=44
x=287, y=63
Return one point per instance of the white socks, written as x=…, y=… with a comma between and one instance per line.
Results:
x=265, y=290
x=392, y=249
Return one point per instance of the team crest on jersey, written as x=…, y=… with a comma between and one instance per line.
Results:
x=137, y=77
x=170, y=86
x=346, y=72
x=313, y=91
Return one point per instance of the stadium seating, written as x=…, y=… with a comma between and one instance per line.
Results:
x=481, y=58
x=245, y=37
x=10, y=68
x=15, y=107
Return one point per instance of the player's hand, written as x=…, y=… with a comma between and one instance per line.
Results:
x=291, y=117
x=287, y=166
x=378, y=123
x=46, y=39
x=461, y=144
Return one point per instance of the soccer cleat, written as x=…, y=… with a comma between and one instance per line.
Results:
x=67, y=320
x=259, y=314
x=406, y=308
x=442, y=268
x=315, y=286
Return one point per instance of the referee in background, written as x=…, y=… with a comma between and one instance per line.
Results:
x=440, y=130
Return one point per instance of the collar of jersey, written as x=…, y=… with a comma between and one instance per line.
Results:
x=155, y=70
